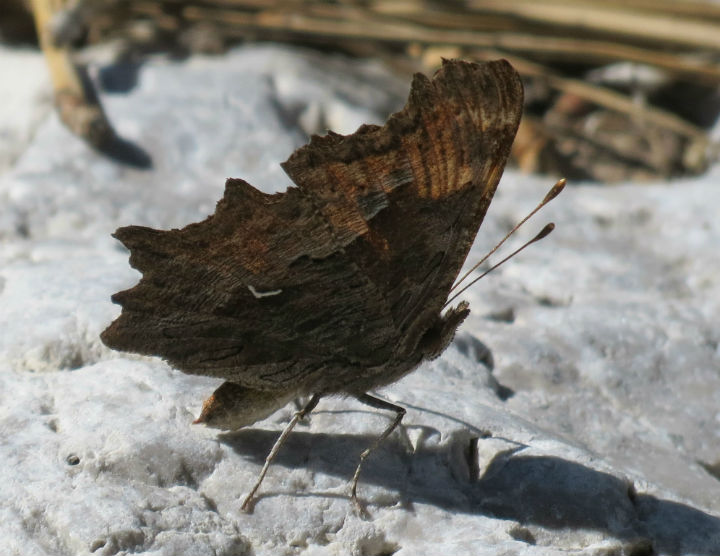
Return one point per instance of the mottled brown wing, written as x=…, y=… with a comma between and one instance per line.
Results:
x=348, y=269
x=433, y=168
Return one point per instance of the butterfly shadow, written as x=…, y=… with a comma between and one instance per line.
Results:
x=545, y=491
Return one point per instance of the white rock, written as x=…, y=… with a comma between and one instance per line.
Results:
x=25, y=98
x=594, y=432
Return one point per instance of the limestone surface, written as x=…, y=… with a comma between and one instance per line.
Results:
x=577, y=413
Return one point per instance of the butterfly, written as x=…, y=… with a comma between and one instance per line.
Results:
x=337, y=285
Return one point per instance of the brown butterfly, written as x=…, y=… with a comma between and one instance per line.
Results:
x=336, y=286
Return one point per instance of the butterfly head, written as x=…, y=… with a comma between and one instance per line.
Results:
x=441, y=333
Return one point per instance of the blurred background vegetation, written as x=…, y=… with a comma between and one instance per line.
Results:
x=615, y=90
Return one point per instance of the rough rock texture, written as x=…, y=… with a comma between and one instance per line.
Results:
x=577, y=412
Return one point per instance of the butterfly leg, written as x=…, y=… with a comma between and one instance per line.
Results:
x=276, y=447
x=378, y=404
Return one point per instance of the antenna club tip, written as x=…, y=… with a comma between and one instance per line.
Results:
x=555, y=190
x=545, y=231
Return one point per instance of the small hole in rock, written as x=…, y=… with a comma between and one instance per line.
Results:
x=522, y=534
x=503, y=392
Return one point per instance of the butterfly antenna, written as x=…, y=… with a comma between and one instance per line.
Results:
x=543, y=233
x=554, y=192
